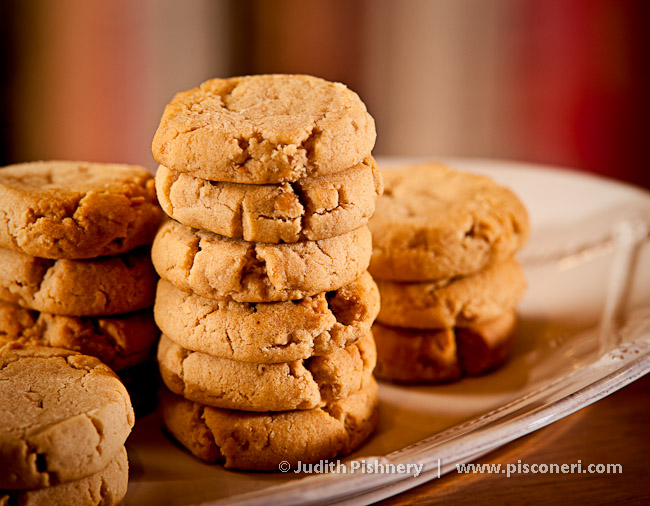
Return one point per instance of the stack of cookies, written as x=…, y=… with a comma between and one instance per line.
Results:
x=75, y=266
x=64, y=418
x=264, y=303
x=443, y=256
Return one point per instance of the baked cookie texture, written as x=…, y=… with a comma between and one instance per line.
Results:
x=101, y=286
x=61, y=209
x=308, y=209
x=446, y=354
x=216, y=267
x=245, y=440
x=118, y=341
x=452, y=302
x=106, y=488
x=268, y=332
x=247, y=386
x=65, y=416
x=264, y=129
x=433, y=222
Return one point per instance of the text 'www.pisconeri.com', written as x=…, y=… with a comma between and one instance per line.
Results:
x=539, y=468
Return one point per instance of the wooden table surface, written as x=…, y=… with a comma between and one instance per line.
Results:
x=614, y=430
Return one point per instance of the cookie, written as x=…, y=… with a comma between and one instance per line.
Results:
x=483, y=346
x=64, y=416
x=217, y=267
x=76, y=209
x=309, y=209
x=264, y=129
x=100, y=286
x=247, y=386
x=452, y=302
x=119, y=341
x=262, y=441
x=415, y=356
x=268, y=332
x=433, y=222
x=106, y=488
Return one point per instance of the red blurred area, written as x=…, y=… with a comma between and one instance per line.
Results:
x=585, y=64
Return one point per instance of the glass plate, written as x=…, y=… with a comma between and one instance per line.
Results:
x=583, y=333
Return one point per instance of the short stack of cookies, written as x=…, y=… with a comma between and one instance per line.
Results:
x=264, y=301
x=75, y=266
x=444, y=245
x=64, y=418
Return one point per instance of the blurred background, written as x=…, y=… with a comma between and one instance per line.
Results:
x=562, y=82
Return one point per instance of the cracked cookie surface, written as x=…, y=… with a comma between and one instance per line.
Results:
x=452, y=302
x=308, y=209
x=64, y=416
x=260, y=441
x=120, y=341
x=76, y=209
x=264, y=129
x=415, y=356
x=268, y=332
x=106, y=488
x=218, y=267
x=433, y=222
x=99, y=286
x=247, y=386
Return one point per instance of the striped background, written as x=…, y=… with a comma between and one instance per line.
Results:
x=562, y=82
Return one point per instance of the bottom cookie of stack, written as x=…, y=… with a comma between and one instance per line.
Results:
x=261, y=441
x=412, y=355
x=106, y=487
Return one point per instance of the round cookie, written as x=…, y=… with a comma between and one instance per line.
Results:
x=268, y=332
x=262, y=441
x=433, y=222
x=119, y=342
x=309, y=209
x=452, y=302
x=217, y=267
x=247, y=386
x=264, y=129
x=64, y=416
x=76, y=209
x=106, y=488
x=100, y=286
x=416, y=356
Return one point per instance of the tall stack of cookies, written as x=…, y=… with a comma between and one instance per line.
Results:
x=75, y=266
x=443, y=256
x=264, y=303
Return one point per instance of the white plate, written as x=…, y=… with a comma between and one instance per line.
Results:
x=584, y=332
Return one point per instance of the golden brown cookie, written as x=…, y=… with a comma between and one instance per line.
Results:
x=433, y=222
x=217, y=267
x=76, y=209
x=264, y=129
x=268, y=332
x=119, y=341
x=263, y=440
x=106, y=488
x=247, y=386
x=416, y=356
x=309, y=209
x=63, y=416
x=99, y=286
x=452, y=302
